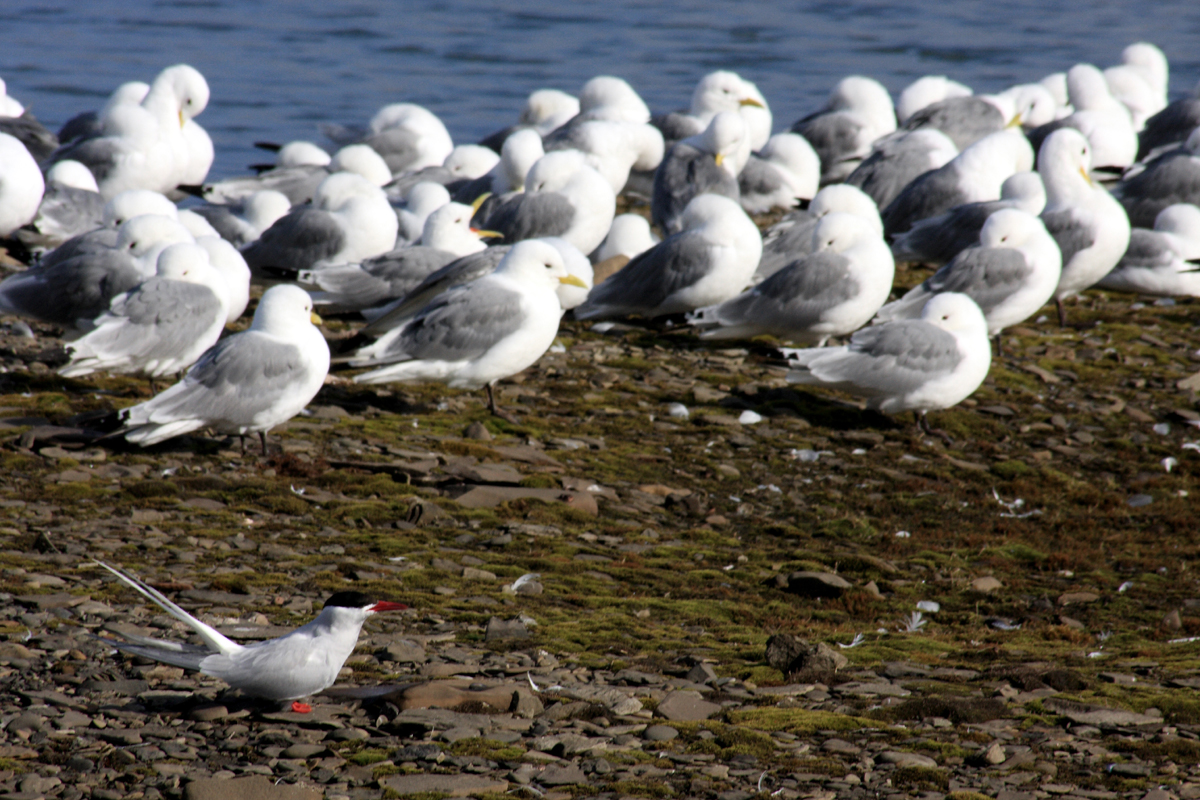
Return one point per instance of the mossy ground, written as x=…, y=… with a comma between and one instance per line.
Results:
x=1035, y=489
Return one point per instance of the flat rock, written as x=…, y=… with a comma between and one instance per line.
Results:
x=492, y=496
x=1100, y=716
x=816, y=584
x=986, y=585
x=505, y=629
x=461, y=785
x=253, y=787
x=1070, y=598
x=904, y=759
x=563, y=775
x=659, y=733
x=686, y=706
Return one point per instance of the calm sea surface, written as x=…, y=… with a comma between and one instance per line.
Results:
x=279, y=67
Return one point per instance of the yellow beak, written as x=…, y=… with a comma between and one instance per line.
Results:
x=1015, y=122
x=1086, y=177
x=719, y=158
x=573, y=280
x=181, y=119
x=487, y=234
x=750, y=101
x=479, y=200
x=316, y=318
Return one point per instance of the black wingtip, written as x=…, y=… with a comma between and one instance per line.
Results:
x=194, y=189
x=273, y=147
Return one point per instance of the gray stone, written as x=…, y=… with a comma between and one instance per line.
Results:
x=659, y=733
x=476, y=430
x=841, y=747
x=686, y=706
x=904, y=759
x=404, y=651
x=701, y=673
x=303, y=750
x=790, y=654
x=458, y=734
x=474, y=574
x=208, y=713
x=253, y=787
x=119, y=736
x=817, y=584
x=563, y=775
x=1099, y=716
x=505, y=629
x=525, y=706
x=349, y=735
x=461, y=785
x=1129, y=770
x=995, y=754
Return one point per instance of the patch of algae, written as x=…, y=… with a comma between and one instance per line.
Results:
x=799, y=721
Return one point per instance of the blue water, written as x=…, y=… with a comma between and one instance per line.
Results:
x=278, y=68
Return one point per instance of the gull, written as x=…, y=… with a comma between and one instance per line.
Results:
x=1012, y=273
x=705, y=163
x=784, y=173
x=926, y=91
x=831, y=292
x=936, y=240
x=478, y=333
x=563, y=196
x=1172, y=177
x=407, y=136
x=293, y=666
x=858, y=112
x=709, y=261
x=974, y=175
x=1090, y=226
x=897, y=160
x=350, y=220
x=246, y=383
x=917, y=365
x=792, y=236
x=74, y=288
x=1164, y=261
x=21, y=185
x=159, y=327
x=71, y=205
x=448, y=236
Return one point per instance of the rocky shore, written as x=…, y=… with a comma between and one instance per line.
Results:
x=731, y=588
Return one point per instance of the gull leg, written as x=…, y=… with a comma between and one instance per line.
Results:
x=262, y=437
x=1062, y=312
x=242, y=439
x=999, y=346
x=496, y=411
x=923, y=424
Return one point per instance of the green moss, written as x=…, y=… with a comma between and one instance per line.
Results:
x=642, y=788
x=1009, y=470
x=367, y=756
x=152, y=488
x=925, y=779
x=486, y=748
x=798, y=720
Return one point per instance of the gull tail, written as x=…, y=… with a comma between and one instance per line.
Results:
x=217, y=641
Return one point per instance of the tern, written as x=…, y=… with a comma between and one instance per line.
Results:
x=296, y=665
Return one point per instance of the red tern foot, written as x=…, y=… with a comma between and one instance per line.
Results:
x=301, y=708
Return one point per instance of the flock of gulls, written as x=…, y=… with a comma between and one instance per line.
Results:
x=463, y=259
